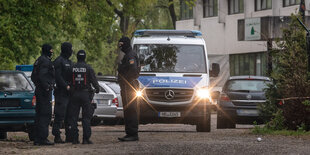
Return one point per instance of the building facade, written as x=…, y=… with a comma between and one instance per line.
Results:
x=219, y=21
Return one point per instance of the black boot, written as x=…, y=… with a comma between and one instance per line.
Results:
x=46, y=142
x=68, y=140
x=75, y=141
x=87, y=141
x=58, y=139
x=128, y=138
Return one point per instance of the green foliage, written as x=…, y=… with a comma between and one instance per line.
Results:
x=277, y=122
x=90, y=25
x=289, y=79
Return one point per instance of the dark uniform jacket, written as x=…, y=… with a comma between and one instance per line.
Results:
x=129, y=68
x=86, y=79
x=46, y=73
x=62, y=72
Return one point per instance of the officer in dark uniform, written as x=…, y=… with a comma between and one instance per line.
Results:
x=62, y=73
x=43, y=76
x=128, y=73
x=83, y=78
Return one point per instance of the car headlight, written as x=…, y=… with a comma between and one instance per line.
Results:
x=139, y=93
x=203, y=93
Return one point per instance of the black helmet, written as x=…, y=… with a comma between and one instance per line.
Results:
x=46, y=50
x=81, y=55
x=66, y=50
x=125, y=47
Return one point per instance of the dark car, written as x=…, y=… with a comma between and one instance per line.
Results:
x=17, y=103
x=239, y=100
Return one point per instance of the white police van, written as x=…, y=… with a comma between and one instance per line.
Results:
x=174, y=78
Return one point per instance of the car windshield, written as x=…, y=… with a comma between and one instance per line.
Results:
x=246, y=85
x=14, y=82
x=115, y=87
x=172, y=58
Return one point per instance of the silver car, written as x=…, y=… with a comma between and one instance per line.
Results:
x=106, y=108
x=114, y=88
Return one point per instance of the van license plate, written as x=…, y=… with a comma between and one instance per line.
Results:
x=169, y=114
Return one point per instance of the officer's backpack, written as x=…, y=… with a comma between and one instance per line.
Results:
x=35, y=73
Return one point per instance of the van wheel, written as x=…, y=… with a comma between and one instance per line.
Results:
x=3, y=135
x=31, y=133
x=204, y=124
x=224, y=121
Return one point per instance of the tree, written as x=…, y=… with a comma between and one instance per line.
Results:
x=291, y=85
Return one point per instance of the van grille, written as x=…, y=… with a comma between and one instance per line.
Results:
x=9, y=102
x=180, y=95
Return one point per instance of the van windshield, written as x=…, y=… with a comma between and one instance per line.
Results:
x=171, y=58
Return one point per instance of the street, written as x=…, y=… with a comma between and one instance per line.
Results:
x=166, y=139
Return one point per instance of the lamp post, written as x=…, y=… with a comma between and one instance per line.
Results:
x=307, y=43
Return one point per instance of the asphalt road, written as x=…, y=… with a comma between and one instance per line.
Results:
x=167, y=139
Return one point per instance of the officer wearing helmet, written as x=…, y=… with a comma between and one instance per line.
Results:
x=43, y=76
x=82, y=80
x=62, y=72
x=128, y=73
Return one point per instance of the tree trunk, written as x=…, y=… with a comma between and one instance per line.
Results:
x=172, y=13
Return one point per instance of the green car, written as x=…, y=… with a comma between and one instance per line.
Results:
x=17, y=104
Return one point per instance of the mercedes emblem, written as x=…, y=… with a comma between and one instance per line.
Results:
x=169, y=94
x=249, y=97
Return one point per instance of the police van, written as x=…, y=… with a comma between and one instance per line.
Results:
x=174, y=78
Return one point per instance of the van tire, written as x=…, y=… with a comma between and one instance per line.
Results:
x=3, y=135
x=204, y=124
x=224, y=121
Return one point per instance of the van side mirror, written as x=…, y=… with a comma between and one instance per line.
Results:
x=215, y=94
x=215, y=70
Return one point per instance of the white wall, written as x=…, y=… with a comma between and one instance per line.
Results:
x=221, y=34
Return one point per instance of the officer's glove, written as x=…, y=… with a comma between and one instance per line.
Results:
x=97, y=91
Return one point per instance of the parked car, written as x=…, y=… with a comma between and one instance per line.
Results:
x=114, y=88
x=17, y=104
x=239, y=100
x=106, y=104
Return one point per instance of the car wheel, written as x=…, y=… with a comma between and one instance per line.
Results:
x=95, y=121
x=31, y=133
x=224, y=121
x=204, y=124
x=3, y=135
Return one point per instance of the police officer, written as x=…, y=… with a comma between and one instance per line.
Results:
x=83, y=78
x=128, y=72
x=43, y=76
x=62, y=73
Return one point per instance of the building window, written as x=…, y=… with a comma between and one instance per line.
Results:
x=235, y=6
x=263, y=5
x=248, y=64
x=290, y=2
x=186, y=10
x=210, y=8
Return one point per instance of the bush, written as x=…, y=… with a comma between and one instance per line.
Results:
x=290, y=81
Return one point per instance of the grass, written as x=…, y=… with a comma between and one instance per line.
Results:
x=265, y=131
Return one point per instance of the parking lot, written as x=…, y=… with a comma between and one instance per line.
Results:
x=167, y=139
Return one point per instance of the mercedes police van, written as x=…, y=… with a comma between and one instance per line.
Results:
x=174, y=78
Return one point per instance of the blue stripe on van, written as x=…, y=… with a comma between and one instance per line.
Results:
x=173, y=82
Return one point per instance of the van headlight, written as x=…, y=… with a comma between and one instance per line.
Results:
x=203, y=93
x=138, y=93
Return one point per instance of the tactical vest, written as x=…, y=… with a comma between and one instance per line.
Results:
x=79, y=78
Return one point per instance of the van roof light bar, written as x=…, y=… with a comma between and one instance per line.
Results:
x=187, y=33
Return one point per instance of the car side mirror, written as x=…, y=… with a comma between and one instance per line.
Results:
x=215, y=70
x=215, y=94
